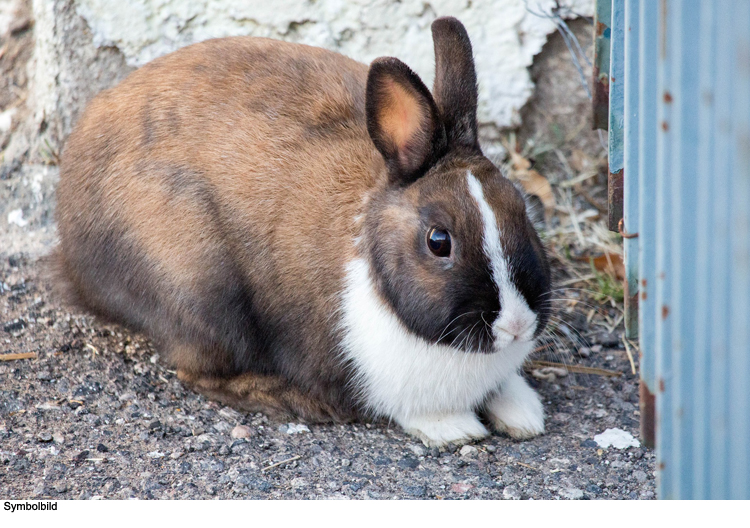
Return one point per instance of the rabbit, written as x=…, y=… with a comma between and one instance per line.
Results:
x=303, y=235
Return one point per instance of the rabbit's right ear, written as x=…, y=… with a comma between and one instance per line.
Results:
x=403, y=120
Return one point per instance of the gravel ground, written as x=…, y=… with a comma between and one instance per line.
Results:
x=96, y=414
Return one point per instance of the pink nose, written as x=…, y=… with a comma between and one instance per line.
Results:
x=516, y=328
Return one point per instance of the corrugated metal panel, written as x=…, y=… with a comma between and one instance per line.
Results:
x=663, y=330
x=703, y=214
x=629, y=227
x=690, y=120
x=616, y=116
x=739, y=253
x=646, y=181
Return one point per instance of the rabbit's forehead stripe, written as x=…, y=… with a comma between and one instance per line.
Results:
x=492, y=245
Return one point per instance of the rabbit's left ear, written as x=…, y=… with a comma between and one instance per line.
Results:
x=455, y=87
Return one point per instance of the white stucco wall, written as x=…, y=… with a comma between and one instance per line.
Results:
x=505, y=33
x=84, y=46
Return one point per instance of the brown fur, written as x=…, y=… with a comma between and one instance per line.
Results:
x=212, y=200
x=211, y=128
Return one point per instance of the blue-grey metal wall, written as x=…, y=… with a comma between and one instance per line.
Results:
x=686, y=113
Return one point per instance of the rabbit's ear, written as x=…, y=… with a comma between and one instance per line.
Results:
x=403, y=120
x=455, y=85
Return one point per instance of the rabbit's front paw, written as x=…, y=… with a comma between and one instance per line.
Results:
x=516, y=410
x=437, y=431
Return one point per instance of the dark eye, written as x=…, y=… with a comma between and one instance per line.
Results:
x=439, y=242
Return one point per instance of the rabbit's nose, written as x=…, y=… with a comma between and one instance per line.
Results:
x=509, y=329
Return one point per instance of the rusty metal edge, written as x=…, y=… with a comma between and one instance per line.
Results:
x=631, y=309
x=600, y=75
x=648, y=415
x=614, y=200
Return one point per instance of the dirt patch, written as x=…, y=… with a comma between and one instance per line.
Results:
x=96, y=414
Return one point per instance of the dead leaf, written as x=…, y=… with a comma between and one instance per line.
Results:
x=531, y=181
x=579, y=161
x=608, y=263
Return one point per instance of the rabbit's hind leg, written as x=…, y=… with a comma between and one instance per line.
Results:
x=271, y=395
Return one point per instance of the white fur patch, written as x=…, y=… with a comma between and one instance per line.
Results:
x=516, y=409
x=402, y=376
x=433, y=390
x=517, y=322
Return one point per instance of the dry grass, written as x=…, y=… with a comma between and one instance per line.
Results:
x=586, y=257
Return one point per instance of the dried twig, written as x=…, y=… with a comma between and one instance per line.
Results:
x=578, y=179
x=543, y=347
x=630, y=355
x=569, y=282
x=295, y=457
x=22, y=355
x=577, y=369
x=590, y=199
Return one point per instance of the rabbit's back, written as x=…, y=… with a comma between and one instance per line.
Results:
x=208, y=200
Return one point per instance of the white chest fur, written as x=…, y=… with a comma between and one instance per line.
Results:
x=402, y=376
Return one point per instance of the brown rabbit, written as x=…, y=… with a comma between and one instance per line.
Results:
x=302, y=235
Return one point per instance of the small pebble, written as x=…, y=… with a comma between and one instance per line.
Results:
x=583, y=352
x=461, y=487
x=345, y=462
x=102, y=448
x=511, y=493
x=222, y=427
x=242, y=431
x=640, y=476
x=415, y=491
x=230, y=414
x=616, y=438
x=572, y=494
x=61, y=487
x=608, y=340
x=468, y=450
x=292, y=428
x=596, y=349
x=44, y=437
x=408, y=463
x=44, y=375
x=418, y=450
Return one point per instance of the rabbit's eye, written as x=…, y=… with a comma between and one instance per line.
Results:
x=439, y=242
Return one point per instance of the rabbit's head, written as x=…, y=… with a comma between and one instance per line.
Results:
x=451, y=248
